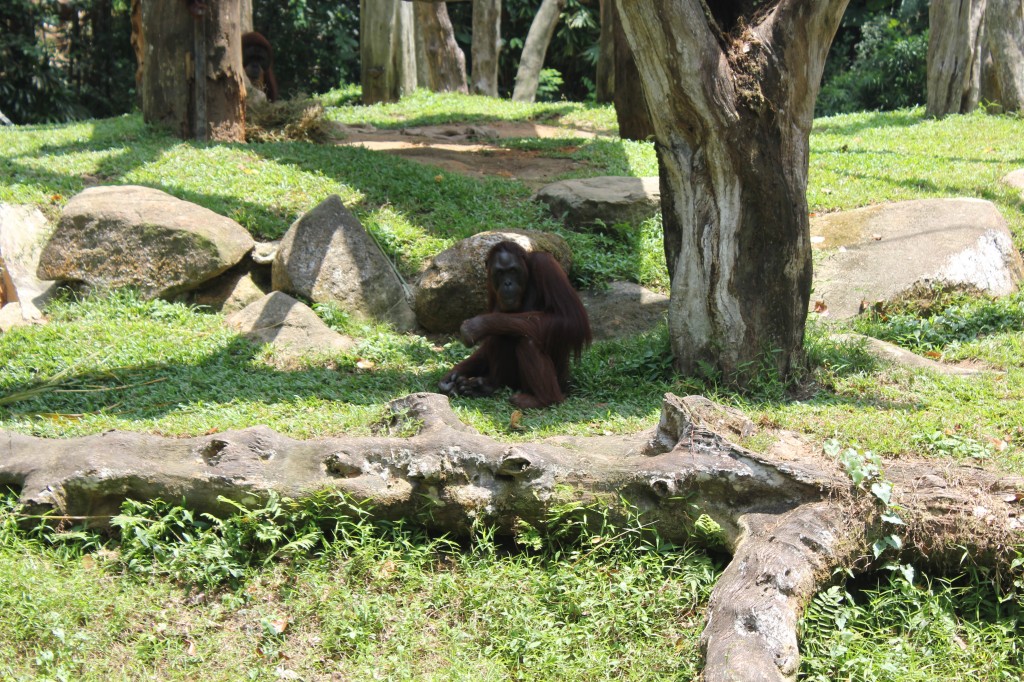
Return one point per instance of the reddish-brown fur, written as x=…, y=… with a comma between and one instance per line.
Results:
x=526, y=340
x=258, y=61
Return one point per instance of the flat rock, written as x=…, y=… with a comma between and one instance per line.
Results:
x=881, y=252
x=290, y=325
x=608, y=200
x=327, y=256
x=24, y=231
x=118, y=236
x=453, y=286
x=623, y=309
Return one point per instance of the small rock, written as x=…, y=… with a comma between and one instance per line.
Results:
x=290, y=325
x=23, y=233
x=623, y=309
x=608, y=200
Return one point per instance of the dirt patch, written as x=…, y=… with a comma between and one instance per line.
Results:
x=470, y=149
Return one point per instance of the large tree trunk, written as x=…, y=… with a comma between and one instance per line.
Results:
x=486, y=46
x=534, y=50
x=444, y=64
x=955, y=44
x=790, y=517
x=192, y=69
x=387, y=50
x=731, y=94
x=1004, y=28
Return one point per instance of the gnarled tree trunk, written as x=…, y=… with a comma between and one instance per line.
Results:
x=730, y=88
x=486, y=46
x=536, y=47
x=192, y=69
x=955, y=44
x=789, y=517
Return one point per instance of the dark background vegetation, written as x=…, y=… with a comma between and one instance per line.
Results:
x=72, y=59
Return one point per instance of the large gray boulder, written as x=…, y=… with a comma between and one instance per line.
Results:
x=327, y=255
x=141, y=237
x=881, y=252
x=453, y=286
x=23, y=232
x=608, y=200
x=289, y=325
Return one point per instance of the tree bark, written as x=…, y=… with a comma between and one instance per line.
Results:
x=387, y=50
x=731, y=94
x=534, y=50
x=444, y=63
x=789, y=517
x=605, y=80
x=486, y=46
x=192, y=70
x=245, y=16
x=955, y=44
x=1004, y=28
x=628, y=96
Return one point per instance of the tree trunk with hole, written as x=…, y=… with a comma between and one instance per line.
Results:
x=387, y=50
x=192, y=70
x=789, y=517
x=955, y=45
x=534, y=50
x=486, y=46
x=731, y=92
x=444, y=64
x=1004, y=29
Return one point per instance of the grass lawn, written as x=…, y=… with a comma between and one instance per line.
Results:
x=390, y=603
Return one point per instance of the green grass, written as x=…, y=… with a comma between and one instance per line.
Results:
x=408, y=606
x=369, y=602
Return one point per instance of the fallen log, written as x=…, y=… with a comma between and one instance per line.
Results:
x=789, y=517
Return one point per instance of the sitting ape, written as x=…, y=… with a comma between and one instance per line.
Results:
x=258, y=61
x=536, y=321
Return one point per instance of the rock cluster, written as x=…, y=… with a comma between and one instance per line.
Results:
x=163, y=246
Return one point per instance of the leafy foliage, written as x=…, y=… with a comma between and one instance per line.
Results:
x=887, y=69
x=68, y=59
x=316, y=42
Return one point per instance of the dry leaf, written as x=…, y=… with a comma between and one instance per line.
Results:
x=190, y=650
x=877, y=237
x=438, y=178
x=821, y=307
x=933, y=354
x=88, y=562
x=515, y=421
x=277, y=626
x=365, y=364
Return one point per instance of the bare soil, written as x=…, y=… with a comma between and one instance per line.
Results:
x=470, y=149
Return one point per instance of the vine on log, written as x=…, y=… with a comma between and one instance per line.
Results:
x=789, y=517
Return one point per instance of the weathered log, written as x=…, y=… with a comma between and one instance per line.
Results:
x=789, y=517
